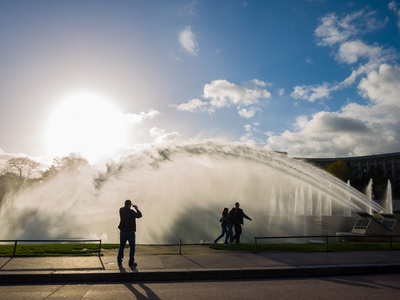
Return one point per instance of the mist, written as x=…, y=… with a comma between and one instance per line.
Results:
x=181, y=191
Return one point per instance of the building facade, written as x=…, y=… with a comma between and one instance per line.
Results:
x=382, y=166
x=386, y=165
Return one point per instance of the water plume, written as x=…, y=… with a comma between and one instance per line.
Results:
x=389, y=199
x=181, y=191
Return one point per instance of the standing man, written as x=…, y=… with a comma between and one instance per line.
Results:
x=239, y=215
x=127, y=227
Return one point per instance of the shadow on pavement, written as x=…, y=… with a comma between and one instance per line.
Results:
x=149, y=293
x=6, y=263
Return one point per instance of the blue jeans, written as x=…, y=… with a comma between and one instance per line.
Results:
x=123, y=238
x=229, y=234
x=222, y=234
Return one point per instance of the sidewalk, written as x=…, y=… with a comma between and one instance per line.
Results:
x=197, y=262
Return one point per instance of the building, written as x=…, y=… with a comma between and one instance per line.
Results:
x=363, y=168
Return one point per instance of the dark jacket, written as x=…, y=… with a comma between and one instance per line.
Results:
x=239, y=215
x=128, y=219
x=224, y=218
x=230, y=218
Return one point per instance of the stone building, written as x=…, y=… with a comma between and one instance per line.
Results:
x=382, y=166
x=387, y=165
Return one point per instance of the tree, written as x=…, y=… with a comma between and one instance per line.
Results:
x=340, y=170
x=22, y=166
x=70, y=163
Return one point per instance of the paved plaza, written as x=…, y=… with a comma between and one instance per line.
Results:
x=196, y=262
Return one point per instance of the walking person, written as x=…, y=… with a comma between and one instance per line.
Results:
x=229, y=225
x=127, y=227
x=239, y=215
x=223, y=219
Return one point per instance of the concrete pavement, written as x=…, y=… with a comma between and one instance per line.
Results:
x=197, y=262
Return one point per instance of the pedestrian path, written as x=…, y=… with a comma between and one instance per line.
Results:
x=196, y=262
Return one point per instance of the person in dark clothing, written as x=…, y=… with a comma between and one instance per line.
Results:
x=239, y=215
x=127, y=227
x=229, y=225
x=223, y=220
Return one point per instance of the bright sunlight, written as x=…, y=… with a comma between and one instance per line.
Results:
x=87, y=123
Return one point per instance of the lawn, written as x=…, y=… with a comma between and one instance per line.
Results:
x=311, y=247
x=84, y=249
x=81, y=249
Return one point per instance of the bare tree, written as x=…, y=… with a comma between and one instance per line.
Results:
x=22, y=166
x=71, y=163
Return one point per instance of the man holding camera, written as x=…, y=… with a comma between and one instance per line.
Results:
x=127, y=227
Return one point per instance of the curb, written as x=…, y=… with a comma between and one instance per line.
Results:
x=52, y=277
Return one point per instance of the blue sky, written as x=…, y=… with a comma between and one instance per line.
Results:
x=312, y=78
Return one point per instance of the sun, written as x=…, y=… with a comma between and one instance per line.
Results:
x=87, y=123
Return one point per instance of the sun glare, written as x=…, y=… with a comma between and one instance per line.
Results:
x=87, y=123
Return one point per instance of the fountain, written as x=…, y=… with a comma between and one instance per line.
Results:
x=382, y=223
x=389, y=200
x=181, y=191
x=369, y=192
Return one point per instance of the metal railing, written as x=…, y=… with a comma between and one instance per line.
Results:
x=327, y=237
x=51, y=241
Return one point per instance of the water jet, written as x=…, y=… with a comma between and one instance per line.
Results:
x=181, y=190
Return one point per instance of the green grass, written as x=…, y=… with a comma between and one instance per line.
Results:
x=310, y=247
x=110, y=246
x=50, y=250
x=93, y=249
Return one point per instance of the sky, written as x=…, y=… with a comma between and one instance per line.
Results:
x=312, y=78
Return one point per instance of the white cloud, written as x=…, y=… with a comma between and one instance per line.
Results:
x=281, y=92
x=382, y=86
x=222, y=93
x=339, y=33
x=193, y=105
x=161, y=136
x=334, y=30
x=313, y=92
x=350, y=52
x=133, y=118
x=356, y=129
x=248, y=113
x=256, y=82
x=393, y=6
x=188, y=42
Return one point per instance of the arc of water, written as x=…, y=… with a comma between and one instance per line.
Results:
x=281, y=204
x=369, y=193
x=317, y=178
x=347, y=211
x=321, y=180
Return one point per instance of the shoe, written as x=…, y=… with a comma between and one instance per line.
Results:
x=215, y=242
x=133, y=264
x=226, y=245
